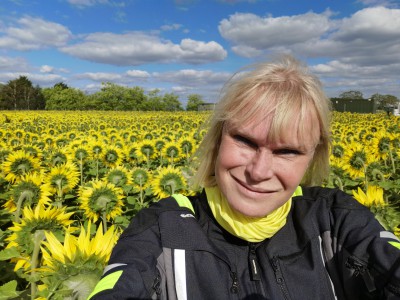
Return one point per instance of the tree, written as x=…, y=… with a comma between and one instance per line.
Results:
x=153, y=101
x=117, y=97
x=194, y=101
x=61, y=97
x=171, y=102
x=61, y=85
x=21, y=94
x=385, y=101
x=351, y=95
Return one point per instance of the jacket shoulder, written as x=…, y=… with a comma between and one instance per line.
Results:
x=149, y=216
x=332, y=197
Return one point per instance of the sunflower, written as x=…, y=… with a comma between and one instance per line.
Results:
x=100, y=199
x=4, y=154
x=112, y=156
x=159, y=144
x=356, y=159
x=168, y=181
x=18, y=164
x=146, y=150
x=32, y=224
x=140, y=178
x=373, y=196
x=33, y=151
x=387, y=214
x=187, y=145
x=337, y=153
x=72, y=269
x=28, y=191
x=80, y=153
x=172, y=152
x=59, y=156
x=119, y=176
x=62, y=178
x=96, y=148
x=381, y=144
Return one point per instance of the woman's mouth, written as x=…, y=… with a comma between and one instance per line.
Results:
x=252, y=188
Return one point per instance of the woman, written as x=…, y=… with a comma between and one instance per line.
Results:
x=258, y=230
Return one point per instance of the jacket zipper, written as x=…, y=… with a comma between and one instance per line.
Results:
x=255, y=270
x=279, y=277
x=235, y=283
x=361, y=268
x=253, y=262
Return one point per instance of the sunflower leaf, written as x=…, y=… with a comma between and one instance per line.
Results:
x=8, y=290
x=9, y=253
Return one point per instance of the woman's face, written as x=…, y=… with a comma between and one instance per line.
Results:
x=257, y=176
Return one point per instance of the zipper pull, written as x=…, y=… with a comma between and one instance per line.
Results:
x=253, y=262
x=157, y=285
x=354, y=264
x=235, y=284
x=277, y=271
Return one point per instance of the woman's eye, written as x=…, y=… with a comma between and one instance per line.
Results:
x=287, y=152
x=244, y=140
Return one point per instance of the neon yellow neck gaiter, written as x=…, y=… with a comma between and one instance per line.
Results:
x=247, y=228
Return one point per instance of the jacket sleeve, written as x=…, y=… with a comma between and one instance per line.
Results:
x=366, y=252
x=132, y=269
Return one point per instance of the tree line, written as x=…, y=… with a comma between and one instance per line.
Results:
x=21, y=94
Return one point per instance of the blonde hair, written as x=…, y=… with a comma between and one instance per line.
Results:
x=284, y=88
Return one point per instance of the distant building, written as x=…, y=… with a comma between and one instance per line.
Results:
x=354, y=105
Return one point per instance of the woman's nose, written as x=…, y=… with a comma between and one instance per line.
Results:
x=261, y=166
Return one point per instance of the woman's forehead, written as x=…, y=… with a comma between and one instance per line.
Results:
x=291, y=129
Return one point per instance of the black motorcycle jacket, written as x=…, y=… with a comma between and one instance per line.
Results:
x=331, y=247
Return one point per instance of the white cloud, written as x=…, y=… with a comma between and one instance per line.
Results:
x=370, y=31
x=13, y=63
x=190, y=77
x=138, y=74
x=170, y=27
x=34, y=33
x=387, y=3
x=83, y=3
x=46, y=69
x=100, y=76
x=254, y=33
x=136, y=48
x=363, y=49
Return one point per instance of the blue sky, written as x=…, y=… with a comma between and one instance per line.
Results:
x=194, y=46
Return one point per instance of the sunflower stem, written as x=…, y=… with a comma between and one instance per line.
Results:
x=60, y=194
x=392, y=161
x=104, y=219
x=172, y=189
x=187, y=154
x=141, y=194
x=38, y=237
x=365, y=177
x=81, y=169
x=21, y=199
x=339, y=182
x=97, y=169
x=148, y=158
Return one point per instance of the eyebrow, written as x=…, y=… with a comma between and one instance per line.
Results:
x=236, y=130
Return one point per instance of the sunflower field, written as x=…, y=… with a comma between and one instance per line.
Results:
x=71, y=181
